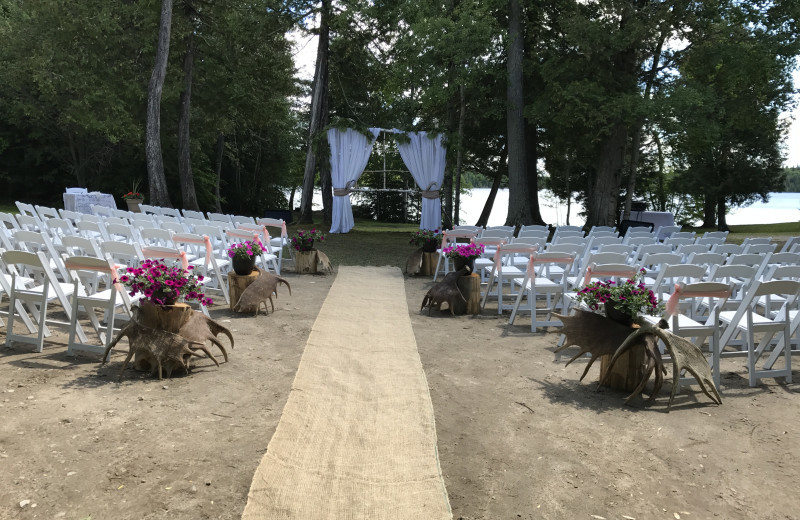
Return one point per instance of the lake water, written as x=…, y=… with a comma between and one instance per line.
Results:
x=782, y=207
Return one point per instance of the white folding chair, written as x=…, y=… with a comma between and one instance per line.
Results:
x=242, y=219
x=534, y=285
x=211, y=267
x=277, y=243
x=503, y=271
x=220, y=217
x=746, y=322
x=155, y=237
x=32, y=241
x=171, y=253
x=123, y=253
x=37, y=298
x=26, y=209
x=45, y=213
x=110, y=300
x=6, y=279
x=450, y=238
x=30, y=223
x=188, y=213
x=685, y=322
x=266, y=257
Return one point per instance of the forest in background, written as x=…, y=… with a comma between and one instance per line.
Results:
x=676, y=102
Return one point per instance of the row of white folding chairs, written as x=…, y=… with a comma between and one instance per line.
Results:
x=145, y=230
x=508, y=268
x=716, y=320
x=131, y=253
x=32, y=287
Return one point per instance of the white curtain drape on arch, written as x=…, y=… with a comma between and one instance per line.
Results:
x=424, y=157
x=350, y=151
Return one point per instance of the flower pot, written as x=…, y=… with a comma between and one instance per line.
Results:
x=133, y=205
x=243, y=266
x=617, y=315
x=459, y=262
x=429, y=247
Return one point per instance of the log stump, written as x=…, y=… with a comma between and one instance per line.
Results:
x=238, y=283
x=627, y=372
x=305, y=262
x=169, y=318
x=470, y=287
x=429, y=261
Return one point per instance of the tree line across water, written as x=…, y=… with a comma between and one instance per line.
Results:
x=675, y=102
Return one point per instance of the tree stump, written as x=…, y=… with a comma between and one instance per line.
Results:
x=238, y=283
x=429, y=261
x=305, y=262
x=169, y=318
x=470, y=287
x=626, y=373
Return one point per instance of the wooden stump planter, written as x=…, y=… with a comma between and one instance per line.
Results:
x=429, y=261
x=305, y=262
x=470, y=287
x=237, y=284
x=164, y=338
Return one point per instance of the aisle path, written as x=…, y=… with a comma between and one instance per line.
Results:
x=357, y=438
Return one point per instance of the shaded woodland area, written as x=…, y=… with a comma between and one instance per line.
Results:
x=676, y=102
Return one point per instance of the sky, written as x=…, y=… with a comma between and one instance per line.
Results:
x=306, y=53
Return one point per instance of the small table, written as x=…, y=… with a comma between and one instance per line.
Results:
x=83, y=202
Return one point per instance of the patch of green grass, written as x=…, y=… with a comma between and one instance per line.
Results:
x=9, y=208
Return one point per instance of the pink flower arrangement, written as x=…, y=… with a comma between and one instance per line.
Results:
x=466, y=251
x=246, y=250
x=163, y=285
x=631, y=297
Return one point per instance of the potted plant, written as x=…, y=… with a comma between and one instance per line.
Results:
x=304, y=240
x=429, y=240
x=305, y=258
x=160, y=284
x=464, y=255
x=133, y=198
x=243, y=256
x=622, y=302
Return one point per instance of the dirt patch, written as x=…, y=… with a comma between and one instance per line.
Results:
x=519, y=436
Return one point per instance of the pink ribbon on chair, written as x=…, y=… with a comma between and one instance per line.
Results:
x=554, y=260
x=588, y=276
x=674, y=299
x=206, y=240
x=108, y=270
x=168, y=254
x=283, y=229
x=590, y=273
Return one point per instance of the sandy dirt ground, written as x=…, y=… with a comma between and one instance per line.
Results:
x=519, y=436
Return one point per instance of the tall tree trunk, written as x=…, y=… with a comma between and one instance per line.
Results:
x=518, y=202
x=637, y=132
x=531, y=164
x=604, y=195
x=188, y=194
x=709, y=211
x=218, y=171
x=661, y=197
x=498, y=177
x=462, y=110
x=315, y=124
x=159, y=196
x=324, y=159
x=722, y=224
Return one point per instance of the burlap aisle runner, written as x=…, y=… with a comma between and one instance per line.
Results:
x=357, y=438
